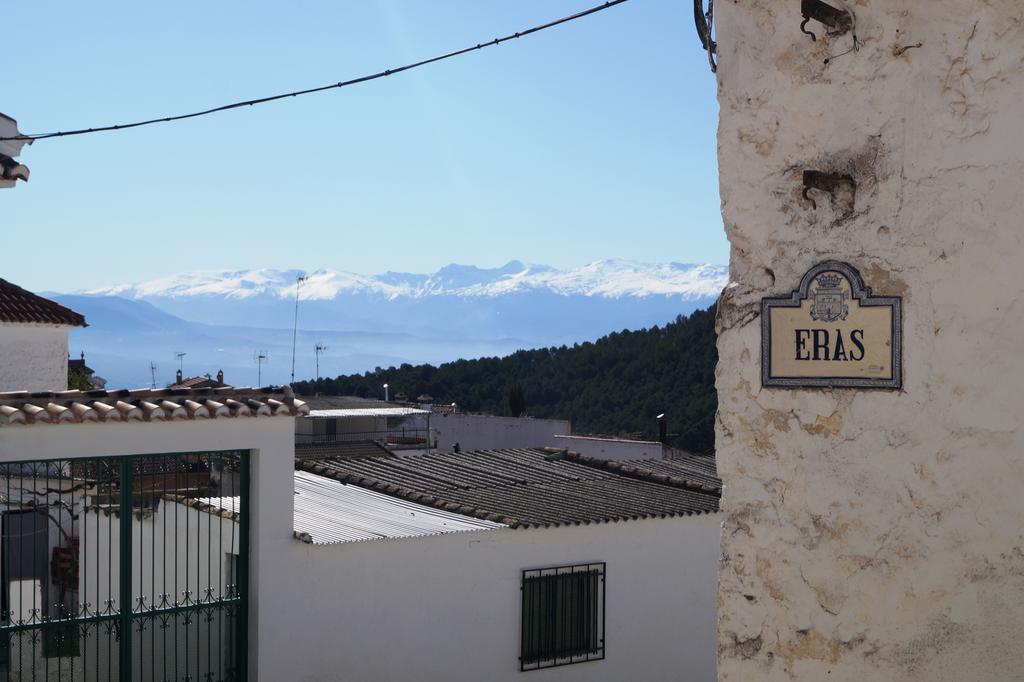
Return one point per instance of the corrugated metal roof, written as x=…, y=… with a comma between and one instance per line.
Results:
x=692, y=467
x=675, y=472
x=368, y=412
x=525, y=487
x=328, y=512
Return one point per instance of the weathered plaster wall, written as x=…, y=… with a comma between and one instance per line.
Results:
x=33, y=357
x=876, y=535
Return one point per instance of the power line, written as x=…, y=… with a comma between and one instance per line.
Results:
x=322, y=88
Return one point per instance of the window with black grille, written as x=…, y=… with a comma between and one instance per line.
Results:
x=563, y=616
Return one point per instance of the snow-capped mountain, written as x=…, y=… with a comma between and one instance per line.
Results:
x=220, y=317
x=605, y=278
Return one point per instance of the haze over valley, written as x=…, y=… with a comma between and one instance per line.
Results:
x=221, y=319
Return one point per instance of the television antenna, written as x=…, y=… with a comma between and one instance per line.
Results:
x=181, y=363
x=317, y=350
x=152, y=374
x=295, y=328
x=259, y=357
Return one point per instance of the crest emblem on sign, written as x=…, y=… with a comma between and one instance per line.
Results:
x=830, y=299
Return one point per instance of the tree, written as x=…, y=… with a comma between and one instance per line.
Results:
x=516, y=400
x=78, y=381
x=614, y=386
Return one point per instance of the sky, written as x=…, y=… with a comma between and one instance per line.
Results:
x=595, y=139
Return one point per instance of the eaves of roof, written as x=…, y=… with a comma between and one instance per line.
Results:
x=146, y=405
x=20, y=306
x=648, y=470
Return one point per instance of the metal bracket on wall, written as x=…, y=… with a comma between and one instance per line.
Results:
x=705, y=22
x=828, y=182
x=838, y=21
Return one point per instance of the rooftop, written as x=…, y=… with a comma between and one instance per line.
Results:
x=146, y=405
x=23, y=307
x=329, y=512
x=201, y=381
x=525, y=487
x=695, y=469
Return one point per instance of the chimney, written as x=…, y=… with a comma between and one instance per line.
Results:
x=662, y=429
x=177, y=379
x=220, y=376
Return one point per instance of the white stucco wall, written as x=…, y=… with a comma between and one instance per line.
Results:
x=484, y=431
x=445, y=608
x=33, y=357
x=876, y=535
x=272, y=441
x=610, y=448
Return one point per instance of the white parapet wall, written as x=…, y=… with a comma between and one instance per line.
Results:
x=610, y=448
x=875, y=534
x=487, y=431
x=33, y=357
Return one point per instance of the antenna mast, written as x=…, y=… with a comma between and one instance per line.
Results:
x=317, y=350
x=181, y=362
x=295, y=328
x=260, y=357
x=152, y=374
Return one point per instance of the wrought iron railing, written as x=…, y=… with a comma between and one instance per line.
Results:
x=125, y=568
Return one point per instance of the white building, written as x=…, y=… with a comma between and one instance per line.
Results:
x=457, y=606
x=33, y=340
x=393, y=426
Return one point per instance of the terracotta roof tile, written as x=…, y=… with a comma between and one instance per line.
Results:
x=24, y=307
x=147, y=405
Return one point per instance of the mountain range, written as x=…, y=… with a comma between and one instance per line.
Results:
x=222, y=318
x=613, y=278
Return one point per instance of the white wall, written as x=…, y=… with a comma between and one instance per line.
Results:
x=446, y=608
x=610, y=448
x=33, y=357
x=271, y=439
x=485, y=432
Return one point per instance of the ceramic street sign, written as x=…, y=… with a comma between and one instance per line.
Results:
x=832, y=332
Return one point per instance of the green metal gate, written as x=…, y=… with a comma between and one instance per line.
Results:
x=125, y=568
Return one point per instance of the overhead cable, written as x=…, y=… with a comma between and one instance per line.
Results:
x=322, y=88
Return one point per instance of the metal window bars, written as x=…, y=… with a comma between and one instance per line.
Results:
x=125, y=568
x=563, y=616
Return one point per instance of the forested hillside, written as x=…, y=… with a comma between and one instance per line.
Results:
x=614, y=386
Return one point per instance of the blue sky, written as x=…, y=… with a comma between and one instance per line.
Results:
x=592, y=140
